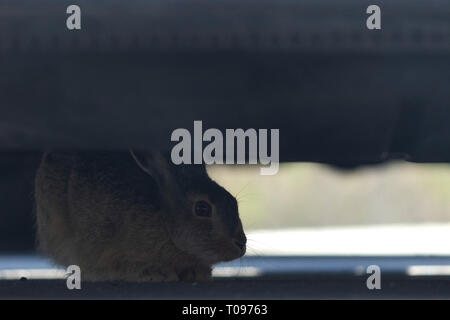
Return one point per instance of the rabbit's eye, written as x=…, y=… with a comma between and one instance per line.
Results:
x=203, y=209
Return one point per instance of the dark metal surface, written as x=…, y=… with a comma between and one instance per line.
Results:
x=338, y=92
x=338, y=109
x=303, y=287
x=203, y=25
x=17, y=171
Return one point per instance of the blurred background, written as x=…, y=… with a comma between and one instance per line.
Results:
x=393, y=208
x=315, y=195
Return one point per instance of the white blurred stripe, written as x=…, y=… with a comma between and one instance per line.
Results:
x=428, y=271
x=378, y=240
x=16, y=274
x=236, y=272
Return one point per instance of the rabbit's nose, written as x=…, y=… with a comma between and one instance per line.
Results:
x=240, y=244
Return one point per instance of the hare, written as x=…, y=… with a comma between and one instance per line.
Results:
x=134, y=217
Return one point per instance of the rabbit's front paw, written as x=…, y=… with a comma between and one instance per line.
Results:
x=150, y=275
x=196, y=274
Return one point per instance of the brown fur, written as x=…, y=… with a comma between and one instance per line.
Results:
x=102, y=212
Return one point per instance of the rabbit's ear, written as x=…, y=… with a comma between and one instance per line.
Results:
x=154, y=164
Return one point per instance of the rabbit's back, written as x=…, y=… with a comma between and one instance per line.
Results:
x=88, y=205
